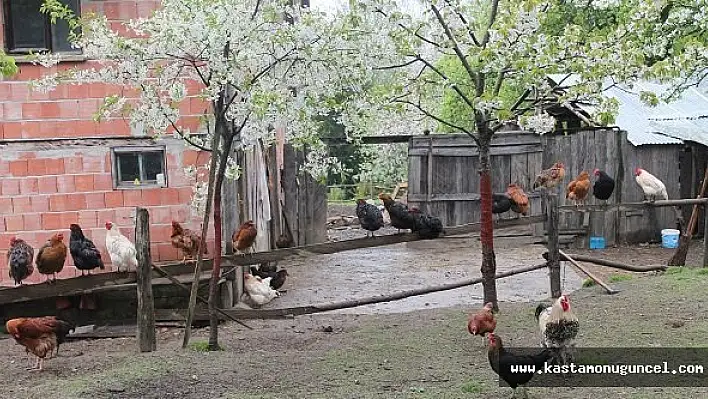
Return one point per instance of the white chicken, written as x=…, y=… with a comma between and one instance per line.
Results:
x=259, y=290
x=653, y=188
x=558, y=326
x=120, y=249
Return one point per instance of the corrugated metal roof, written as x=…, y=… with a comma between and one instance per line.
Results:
x=672, y=123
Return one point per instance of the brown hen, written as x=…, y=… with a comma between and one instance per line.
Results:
x=519, y=199
x=578, y=189
x=551, y=177
x=187, y=241
x=40, y=335
x=244, y=237
x=483, y=321
x=51, y=257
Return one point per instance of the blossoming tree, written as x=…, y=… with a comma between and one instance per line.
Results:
x=476, y=52
x=257, y=64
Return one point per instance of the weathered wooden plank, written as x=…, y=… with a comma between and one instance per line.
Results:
x=456, y=197
x=553, y=245
x=146, y=305
x=472, y=151
x=461, y=140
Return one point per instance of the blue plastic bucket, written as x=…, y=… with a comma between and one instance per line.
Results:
x=597, y=242
x=670, y=238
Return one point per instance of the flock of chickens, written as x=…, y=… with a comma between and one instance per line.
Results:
x=558, y=327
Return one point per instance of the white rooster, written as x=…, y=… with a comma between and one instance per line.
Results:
x=653, y=188
x=259, y=290
x=120, y=249
x=558, y=326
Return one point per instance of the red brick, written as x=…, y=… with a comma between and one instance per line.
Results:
x=95, y=201
x=67, y=271
x=93, y=164
x=66, y=184
x=2, y=225
x=10, y=187
x=76, y=202
x=5, y=206
x=114, y=199
x=68, y=109
x=74, y=165
x=18, y=168
x=88, y=219
x=21, y=205
x=40, y=203
x=180, y=213
x=189, y=157
x=12, y=111
x=14, y=223
x=31, y=110
x=103, y=182
x=29, y=186
x=160, y=215
x=36, y=167
x=169, y=196
x=160, y=232
x=58, y=203
x=151, y=197
x=125, y=216
x=32, y=222
x=83, y=183
x=47, y=184
x=185, y=195
x=167, y=252
x=132, y=197
x=54, y=166
x=5, y=241
x=51, y=221
x=98, y=236
x=105, y=216
x=28, y=155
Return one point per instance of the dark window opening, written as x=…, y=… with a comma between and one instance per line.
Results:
x=138, y=167
x=29, y=30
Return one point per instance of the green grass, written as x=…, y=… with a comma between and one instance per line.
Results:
x=616, y=278
x=588, y=282
x=474, y=386
x=201, y=346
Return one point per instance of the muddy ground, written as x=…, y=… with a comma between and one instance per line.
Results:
x=414, y=348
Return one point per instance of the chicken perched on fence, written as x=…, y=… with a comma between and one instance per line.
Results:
x=52, y=255
x=604, y=185
x=551, y=177
x=122, y=252
x=428, y=227
x=500, y=203
x=519, y=199
x=401, y=218
x=187, y=241
x=370, y=216
x=20, y=258
x=244, y=237
x=652, y=187
x=578, y=189
x=39, y=335
x=85, y=254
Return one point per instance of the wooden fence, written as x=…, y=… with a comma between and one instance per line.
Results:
x=443, y=175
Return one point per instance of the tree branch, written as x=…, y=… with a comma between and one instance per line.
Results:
x=455, y=46
x=492, y=18
x=430, y=115
x=453, y=84
x=464, y=21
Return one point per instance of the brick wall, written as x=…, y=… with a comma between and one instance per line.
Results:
x=44, y=191
x=45, y=186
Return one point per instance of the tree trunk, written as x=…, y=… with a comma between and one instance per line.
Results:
x=489, y=263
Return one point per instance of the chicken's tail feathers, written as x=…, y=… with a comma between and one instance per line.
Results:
x=539, y=309
x=63, y=328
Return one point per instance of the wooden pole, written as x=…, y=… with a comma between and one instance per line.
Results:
x=613, y=264
x=679, y=258
x=705, y=235
x=146, y=305
x=594, y=278
x=553, y=243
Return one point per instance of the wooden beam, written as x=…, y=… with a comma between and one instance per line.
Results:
x=553, y=244
x=614, y=264
x=634, y=205
x=594, y=278
x=303, y=310
x=452, y=197
x=147, y=342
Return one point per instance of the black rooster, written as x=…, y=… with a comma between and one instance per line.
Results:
x=604, y=186
x=370, y=217
x=501, y=203
x=85, y=254
x=401, y=218
x=501, y=361
x=427, y=227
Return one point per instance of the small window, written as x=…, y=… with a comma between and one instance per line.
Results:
x=27, y=29
x=139, y=167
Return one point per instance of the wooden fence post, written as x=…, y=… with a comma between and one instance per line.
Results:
x=705, y=235
x=146, y=306
x=553, y=243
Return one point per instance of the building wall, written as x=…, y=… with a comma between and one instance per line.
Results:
x=47, y=183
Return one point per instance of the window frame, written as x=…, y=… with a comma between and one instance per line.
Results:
x=49, y=35
x=139, y=151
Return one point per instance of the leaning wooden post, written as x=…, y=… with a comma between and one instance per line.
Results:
x=705, y=234
x=553, y=243
x=146, y=305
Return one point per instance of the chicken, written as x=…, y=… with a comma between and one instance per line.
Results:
x=85, y=254
x=653, y=188
x=401, y=218
x=428, y=227
x=551, y=177
x=39, y=335
x=578, y=189
x=500, y=203
x=519, y=199
x=483, y=321
x=20, y=258
x=244, y=237
x=558, y=326
x=120, y=249
x=52, y=255
x=259, y=290
x=604, y=185
x=187, y=241
x=370, y=217
x=502, y=362
x=277, y=277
